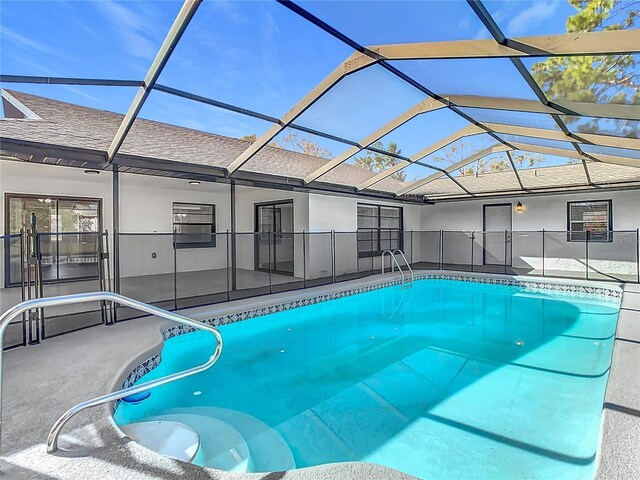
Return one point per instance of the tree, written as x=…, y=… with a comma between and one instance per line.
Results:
x=462, y=149
x=379, y=162
x=595, y=79
x=250, y=138
x=297, y=143
x=292, y=140
x=491, y=165
x=528, y=159
x=457, y=152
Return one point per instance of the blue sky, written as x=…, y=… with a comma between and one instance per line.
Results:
x=261, y=56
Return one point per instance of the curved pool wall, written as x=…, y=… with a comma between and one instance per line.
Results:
x=454, y=378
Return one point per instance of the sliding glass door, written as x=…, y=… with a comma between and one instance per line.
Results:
x=274, y=244
x=67, y=233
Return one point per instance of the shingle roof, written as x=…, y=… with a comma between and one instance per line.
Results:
x=62, y=124
x=533, y=178
x=72, y=125
x=68, y=125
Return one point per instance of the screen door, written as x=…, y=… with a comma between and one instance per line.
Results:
x=497, y=243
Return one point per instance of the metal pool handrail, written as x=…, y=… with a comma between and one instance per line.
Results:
x=393, y=257
x=405, y=261
x=13, y=312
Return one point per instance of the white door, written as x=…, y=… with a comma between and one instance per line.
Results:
x=497, y=234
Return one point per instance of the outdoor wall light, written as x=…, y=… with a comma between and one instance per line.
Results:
x=519, y=207
x=92, y=172
x=194, y=182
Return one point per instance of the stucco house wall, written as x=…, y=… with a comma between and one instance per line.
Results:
x=146, y=210
x=548, y=212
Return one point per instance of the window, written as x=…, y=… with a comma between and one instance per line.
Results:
x=592, y=220
x=194, y=225
x=379, y=229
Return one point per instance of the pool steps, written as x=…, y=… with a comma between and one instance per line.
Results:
x=221, y=446
x=169, y=438
x=274, y=449
x=378, y=402
x=233, y=441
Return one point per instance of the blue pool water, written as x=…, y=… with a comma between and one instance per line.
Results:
x=446, y=380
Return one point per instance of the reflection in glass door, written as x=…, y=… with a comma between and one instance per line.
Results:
x=274, y=244
x=67, y=231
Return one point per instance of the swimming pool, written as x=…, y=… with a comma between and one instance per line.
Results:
x=447, y=379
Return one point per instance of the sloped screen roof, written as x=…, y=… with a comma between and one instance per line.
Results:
x=435, y=100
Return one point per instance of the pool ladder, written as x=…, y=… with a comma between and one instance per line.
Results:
x=405, y=282
x=38, y=303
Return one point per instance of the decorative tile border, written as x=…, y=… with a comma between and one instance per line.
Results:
x=580, y=291
x=138, y=372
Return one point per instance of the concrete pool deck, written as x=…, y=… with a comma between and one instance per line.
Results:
x=620, y=442
x=37, y=392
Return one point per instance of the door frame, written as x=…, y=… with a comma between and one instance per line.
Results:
x=484, y=229
x=7, y=222
x=256, y=250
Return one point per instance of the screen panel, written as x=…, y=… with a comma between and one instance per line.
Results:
x=361, y=103
x=216, y=138
x=308, y=143
x=363, y=166
x=542, y=142
x=376, y=23
x=488, y=77
x=606, y=173
x=507, y=117
x=603, y=126
x=601, y=79
x=532, y=17
x=568, y=175
x=423, y=130
x=255, y=55
x=294, y=154
x=492, y=173
x=459, y=151
x=110, y=99
x=501, y=181
x=67, y=123
x=527, y=160
x=83, y=39
x=618, y=152
x=441, y=187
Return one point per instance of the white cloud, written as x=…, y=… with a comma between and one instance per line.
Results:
x=27, y=44
x=30, y=65
x=531, y=17
x=79, y=92
x=464, y=24
x=135, y=30
x=230, y=11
